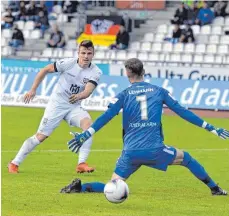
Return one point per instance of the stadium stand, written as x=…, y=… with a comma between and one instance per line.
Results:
x=146, y=42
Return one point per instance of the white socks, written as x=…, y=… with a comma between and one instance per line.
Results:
x=26, y=148
x=84, y=151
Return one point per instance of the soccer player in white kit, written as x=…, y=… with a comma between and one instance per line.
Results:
x=78, y=79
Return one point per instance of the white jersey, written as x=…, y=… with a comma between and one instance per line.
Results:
x=73, y=78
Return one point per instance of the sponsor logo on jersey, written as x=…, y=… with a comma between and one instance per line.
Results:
x=74, y=89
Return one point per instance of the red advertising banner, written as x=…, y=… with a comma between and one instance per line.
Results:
x=141, y=5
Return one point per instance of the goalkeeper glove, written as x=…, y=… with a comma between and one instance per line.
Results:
x=220, y=132
x=79, y=139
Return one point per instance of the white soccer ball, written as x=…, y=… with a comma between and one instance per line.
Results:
x=116, y=191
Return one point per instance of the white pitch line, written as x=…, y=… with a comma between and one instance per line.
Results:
x=110, y=150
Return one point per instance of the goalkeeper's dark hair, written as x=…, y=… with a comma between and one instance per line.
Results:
x=86, y=43
x=135, y=66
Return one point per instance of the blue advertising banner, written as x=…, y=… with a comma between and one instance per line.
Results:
x=17, y=78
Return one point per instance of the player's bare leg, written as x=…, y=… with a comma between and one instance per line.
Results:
x=82, y=166
x=186, y=160
x=26, y=148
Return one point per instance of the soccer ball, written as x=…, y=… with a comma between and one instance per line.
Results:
x=116, y=191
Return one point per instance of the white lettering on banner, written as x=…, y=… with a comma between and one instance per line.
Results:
x=166, y=86
x=202, y=91
x=45, y=88
x=6, y=82
x=15, y=84
x=191, y=92
x=193, y=73
x=224, y=98
x=110, y=89
x=212, y=99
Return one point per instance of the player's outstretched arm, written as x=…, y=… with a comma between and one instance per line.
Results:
x=193, y=118
x=75, y=144
x=40, y=76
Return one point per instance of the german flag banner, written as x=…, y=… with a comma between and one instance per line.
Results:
x=101, y=30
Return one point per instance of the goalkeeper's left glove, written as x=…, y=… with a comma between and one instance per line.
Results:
x=79, y=139
x=220, y=132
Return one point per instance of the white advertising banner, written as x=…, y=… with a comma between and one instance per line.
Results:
x=168, y=72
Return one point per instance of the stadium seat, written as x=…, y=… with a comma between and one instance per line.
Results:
x=112, y=54
x=159, y=37
x=156, y=47
x=198, y=58
x=211, y=49
x=146, y=46
x=178, y=47
x=218, y=21
x=62, y=18
x=26, y=34
x=6, y=33
x=148, y=37
x=200, y=48
x=121, y=55
x=104, y=48
x=135, y=45
x=186, y=58
x=29, y=25
x=100, y=54
x=216, y=30
x=170, y=30
x=224, y=39
x=68, y=54
x=3, y=42
x=209, y=59
x=223, y=49
x=131, y=54
x=143, y=56
x=214, y=39
x=175, y=58
x=162, y=29
x=71, y=44
x=6, y=51
x=153, y=57
x=167, y=47
x=218, y=59
x=35, y=34
x=162, y=57
x=189, y=48
x=205, y=30
x=196, y=29
x=227, y=21
x=202, y=38
x=48, y=52
x=20, y=24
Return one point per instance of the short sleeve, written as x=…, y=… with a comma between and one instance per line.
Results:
x=64, y=64
x=95, y=77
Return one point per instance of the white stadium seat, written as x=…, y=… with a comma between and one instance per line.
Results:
x=68, y=54
x=62, y=18
x=131, y=54
x=29, y=25
x=20, y=24
x=6, y=51
x=189, y=48
x=218, y=21
x=223, y=49
x=175, y=58
x=153, y=57
x=196, y=29
x=100, y=54
x=112, y=54
x=6, y=33
x=224, y=39
x=202, y=38
x=71, y=44
x=200, y=48
x=205, y=30
x=143, y=56
x=214, y=39
x=48, y=52
x=146, y=46
x=170, y=29
x=3, y=41
x=209, y=59
x=218, y=59
x=198, y=58
x=159, y=37
x=156, y=47
x=167, y=47
x=35, y=34
x=135, y=45
x=121, y=55
x=148, y=37
x=162, y=29
x=227, y=21
x=211, y=49
x=26, y=34
x=186, y=58
x=216, y=30
x=178, y=47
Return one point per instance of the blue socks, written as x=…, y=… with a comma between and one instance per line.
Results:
x=197, y=170
x=95, y=187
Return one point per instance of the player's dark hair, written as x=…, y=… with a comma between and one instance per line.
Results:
x=135, y=66
x=87, y=44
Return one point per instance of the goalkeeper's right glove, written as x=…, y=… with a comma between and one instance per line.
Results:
x=220, y=132
x=79, y=139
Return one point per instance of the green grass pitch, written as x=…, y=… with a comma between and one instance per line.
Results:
x=35, y=191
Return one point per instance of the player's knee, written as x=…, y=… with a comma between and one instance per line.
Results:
x=41, y=137
x=187, y=158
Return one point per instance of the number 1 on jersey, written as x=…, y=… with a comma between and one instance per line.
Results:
x=143, y=106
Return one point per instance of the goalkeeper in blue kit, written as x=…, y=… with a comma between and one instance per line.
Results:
x=142, y=105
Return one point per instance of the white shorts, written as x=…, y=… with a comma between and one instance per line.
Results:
x=56, y=112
